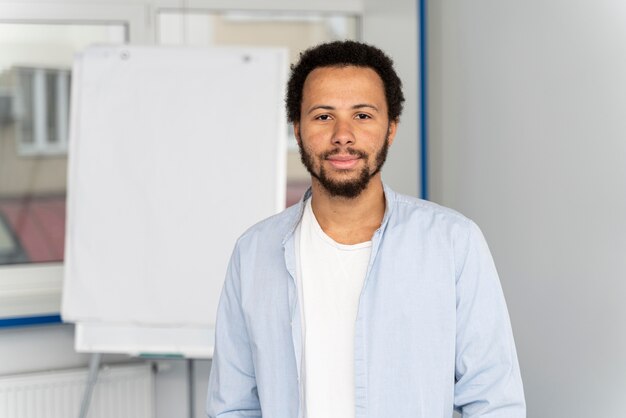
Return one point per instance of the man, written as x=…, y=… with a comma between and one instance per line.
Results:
x=358, y=301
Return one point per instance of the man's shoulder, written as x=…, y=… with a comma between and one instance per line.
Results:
x=275, y=227
x=413, y=207
x=439, y=226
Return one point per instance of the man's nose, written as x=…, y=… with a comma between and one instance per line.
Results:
x=343, y=133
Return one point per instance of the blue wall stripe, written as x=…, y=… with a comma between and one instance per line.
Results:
x=30, y=320
x=423, y=95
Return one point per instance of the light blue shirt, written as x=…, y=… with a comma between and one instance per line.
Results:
x=432, y=329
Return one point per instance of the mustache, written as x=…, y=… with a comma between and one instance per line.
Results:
x=351, y=151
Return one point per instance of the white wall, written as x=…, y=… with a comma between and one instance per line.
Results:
x=36, y=348
x=528, y=105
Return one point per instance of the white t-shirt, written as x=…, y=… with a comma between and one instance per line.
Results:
x=331, y=277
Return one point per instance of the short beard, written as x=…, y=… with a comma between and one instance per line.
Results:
x=349, y=189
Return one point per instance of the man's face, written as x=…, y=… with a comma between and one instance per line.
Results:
x=344, y=130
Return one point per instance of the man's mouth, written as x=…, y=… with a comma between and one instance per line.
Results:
x=343, y=161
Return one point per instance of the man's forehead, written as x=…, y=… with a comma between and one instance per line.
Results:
x=343, y=87
x=344, y=76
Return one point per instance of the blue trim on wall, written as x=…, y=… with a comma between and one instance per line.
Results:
x=423, y=95
x=30, y=320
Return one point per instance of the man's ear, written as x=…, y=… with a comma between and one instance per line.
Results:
x=296, y=132
x=391, y=130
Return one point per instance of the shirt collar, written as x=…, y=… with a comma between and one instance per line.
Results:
x=296, y=217
x=390, y=199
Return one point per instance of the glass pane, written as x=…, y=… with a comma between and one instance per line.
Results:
x=294, y=31
x=35, y=65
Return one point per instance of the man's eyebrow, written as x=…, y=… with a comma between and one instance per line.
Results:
x=362, y=105
x=325, y=107
x=356, y=106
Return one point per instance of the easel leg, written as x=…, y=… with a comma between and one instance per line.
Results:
x=191, y=386
x=94, y=367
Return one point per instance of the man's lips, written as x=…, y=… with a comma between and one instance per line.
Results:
x=343, y=161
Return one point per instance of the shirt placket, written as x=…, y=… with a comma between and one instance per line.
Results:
x=360, y=337
x=295, y=320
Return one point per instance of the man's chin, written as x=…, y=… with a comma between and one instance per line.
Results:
x=345, y=189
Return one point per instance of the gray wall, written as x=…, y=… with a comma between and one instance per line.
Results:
x=528, y=137
x=392, y=26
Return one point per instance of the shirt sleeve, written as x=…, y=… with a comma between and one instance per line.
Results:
x=488, y=381
x=232, y=389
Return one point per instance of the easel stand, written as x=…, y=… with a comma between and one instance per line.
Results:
x=92, y=377
x=191, y=388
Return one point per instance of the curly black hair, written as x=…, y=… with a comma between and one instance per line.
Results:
x=340, y=54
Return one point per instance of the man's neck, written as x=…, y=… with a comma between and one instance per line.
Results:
x=349, y=220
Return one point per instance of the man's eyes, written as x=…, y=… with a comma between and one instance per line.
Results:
x=361, y=116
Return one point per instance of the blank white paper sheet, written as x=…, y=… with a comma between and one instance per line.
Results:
x=174, y=152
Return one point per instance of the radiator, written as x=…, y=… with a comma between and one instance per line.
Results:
x=120, y=392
